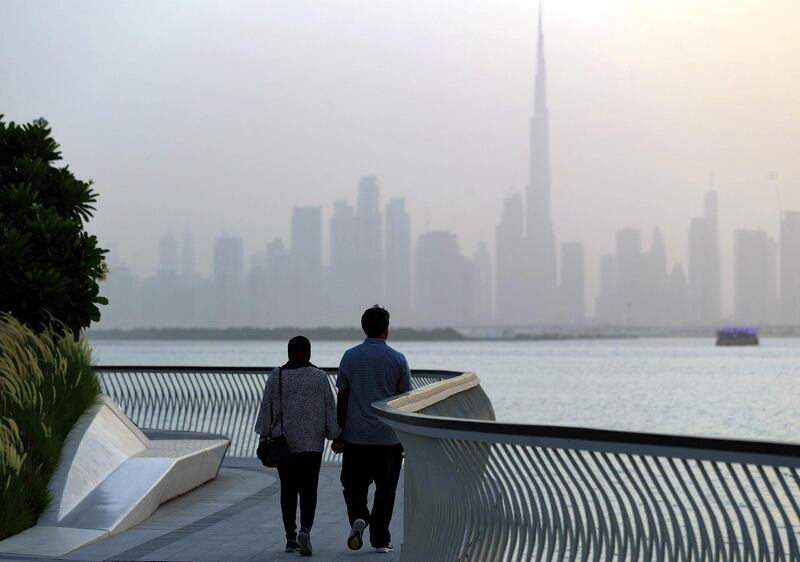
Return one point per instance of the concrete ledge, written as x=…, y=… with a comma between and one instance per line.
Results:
x=420, y=399
x=112, y=477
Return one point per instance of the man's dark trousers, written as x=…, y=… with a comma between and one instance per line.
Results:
x=361, y=466
x=300, y=477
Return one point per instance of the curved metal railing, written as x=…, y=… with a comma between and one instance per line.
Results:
x=220, y=400
x=482, y=490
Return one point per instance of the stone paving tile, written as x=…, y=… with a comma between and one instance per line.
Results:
x=237, y=518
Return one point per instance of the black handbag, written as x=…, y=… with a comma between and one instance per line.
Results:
x=274, y=452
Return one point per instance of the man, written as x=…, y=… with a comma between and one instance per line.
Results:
x=371, y=451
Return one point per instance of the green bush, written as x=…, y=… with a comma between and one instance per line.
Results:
x=50, y=264
x=46, y=383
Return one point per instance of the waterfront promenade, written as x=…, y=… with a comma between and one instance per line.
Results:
x=236, y=518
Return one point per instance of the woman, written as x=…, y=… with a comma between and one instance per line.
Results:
x=309, y=415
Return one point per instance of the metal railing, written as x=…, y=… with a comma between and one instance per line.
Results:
x=220, y=400
x=476, y=489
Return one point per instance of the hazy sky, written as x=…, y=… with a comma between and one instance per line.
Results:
x=218, y=116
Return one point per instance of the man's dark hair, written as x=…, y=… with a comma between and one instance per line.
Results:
x=375, y=321
x=299, y=348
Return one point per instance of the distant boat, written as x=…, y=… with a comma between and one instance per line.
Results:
x=737, y=336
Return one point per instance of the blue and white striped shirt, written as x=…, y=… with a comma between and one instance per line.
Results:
x=371, y=371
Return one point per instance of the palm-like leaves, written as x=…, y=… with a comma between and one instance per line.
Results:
x=50, y=264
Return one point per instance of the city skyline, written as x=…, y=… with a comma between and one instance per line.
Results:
x=432, y=280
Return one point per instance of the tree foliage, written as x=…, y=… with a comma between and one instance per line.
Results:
x=49, y=265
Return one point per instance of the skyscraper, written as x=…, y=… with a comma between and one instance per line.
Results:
x=342, y=263
x=790, y=269
x=369, y=243
x=607, y=311
x=482, y=286
x=168, y=255
x=629, y=275
x=187, y=265
x=512, y=293
x=306, y=242
x=755, y=280
x=540, y=235
x=573, y=284
x=442, y=287
x=306, y=252
x=228, y=280
x=705, y=270
x=398, y=256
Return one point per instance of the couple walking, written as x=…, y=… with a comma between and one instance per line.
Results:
x=298, y=404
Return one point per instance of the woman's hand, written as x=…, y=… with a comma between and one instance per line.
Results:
x=337, y=446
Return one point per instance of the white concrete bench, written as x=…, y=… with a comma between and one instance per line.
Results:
x=111, y=477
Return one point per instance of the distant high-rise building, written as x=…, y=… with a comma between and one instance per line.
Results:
x=790, y=269
x=655, y=280
x=343, y=258
x=512, y=292
x=306, y=246
x=540, y=235
x=280, y=284
x=482, y=284
x=398, y=257
x=442, y=287
x=607, y=311
x=705, y=269
x=168, y=255
x=369, y=243
x=306, y=252
x=229, y=280
x=677, y=298
x=573, y=284
x=629, y=276
x=187, y=265
x=755, y=279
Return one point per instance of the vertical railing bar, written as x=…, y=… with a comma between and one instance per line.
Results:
x=760, y=539
x=705, y=540
x=566, y=535
x=744, y=533
x=653, y=529
x=557, y=546
x=590, y=527
x=607, y=538
x=549, y=506
x=674, y=546
x=624, y=538
x=794, y=551
x=777, y=550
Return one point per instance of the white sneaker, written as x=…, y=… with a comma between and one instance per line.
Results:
x=384, y=549
x=354, y=541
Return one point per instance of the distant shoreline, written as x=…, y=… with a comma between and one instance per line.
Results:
x=332, y=334
x=423, y=334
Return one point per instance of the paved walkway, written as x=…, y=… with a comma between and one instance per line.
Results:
x=235, y=518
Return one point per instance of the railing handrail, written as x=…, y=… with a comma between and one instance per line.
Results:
x=227, y=369
x=585, y=438
x=478, y=489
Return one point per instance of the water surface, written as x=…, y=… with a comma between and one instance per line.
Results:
x=684, y=386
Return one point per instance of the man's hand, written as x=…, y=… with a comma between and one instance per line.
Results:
x=337, y=446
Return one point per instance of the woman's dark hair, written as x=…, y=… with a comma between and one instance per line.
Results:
x=299, y=347
x=374, y=321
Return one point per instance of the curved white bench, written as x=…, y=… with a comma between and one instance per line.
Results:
x=111, y=476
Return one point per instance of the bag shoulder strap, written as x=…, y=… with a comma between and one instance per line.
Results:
x=280, y=394
x=280, y=402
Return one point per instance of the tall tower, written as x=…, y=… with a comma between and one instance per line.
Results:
x=540, y=235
